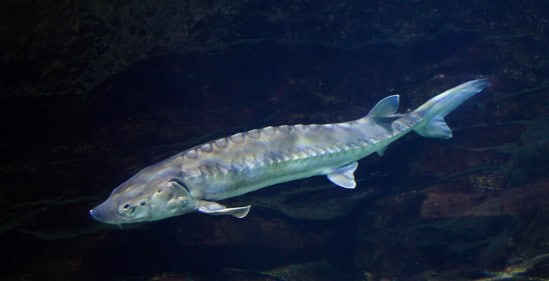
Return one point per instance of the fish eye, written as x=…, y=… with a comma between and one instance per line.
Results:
x=143, y=203
x=127, y=209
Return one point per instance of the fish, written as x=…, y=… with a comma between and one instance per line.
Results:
x=196, y=179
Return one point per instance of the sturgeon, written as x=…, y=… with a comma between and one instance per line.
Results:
x=196, y=178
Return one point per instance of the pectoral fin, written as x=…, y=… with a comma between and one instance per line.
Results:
x=213, y=208
x=344, y=176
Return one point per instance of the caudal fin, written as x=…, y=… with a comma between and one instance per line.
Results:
x=434, y=110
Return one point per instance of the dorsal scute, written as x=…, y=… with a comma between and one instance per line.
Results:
x=254, y=134
x=207, y=147
x=285, y=129
x=269, y=131
x=300, y=127
x=237, y=138
x=221, y=143
x=191, y=153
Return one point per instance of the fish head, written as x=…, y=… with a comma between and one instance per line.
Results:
x=152, y=194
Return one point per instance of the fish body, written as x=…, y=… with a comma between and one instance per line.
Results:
x=251, y=160
x=196, y=178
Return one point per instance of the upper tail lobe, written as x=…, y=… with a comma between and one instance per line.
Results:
x=434, y=110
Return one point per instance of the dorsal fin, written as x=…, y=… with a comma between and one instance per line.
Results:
x=386, y=107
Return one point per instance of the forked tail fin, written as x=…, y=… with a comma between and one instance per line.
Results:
x=434, y=110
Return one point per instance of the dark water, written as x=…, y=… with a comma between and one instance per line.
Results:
x=91, y=100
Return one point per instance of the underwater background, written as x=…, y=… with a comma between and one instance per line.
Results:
x=93, y=91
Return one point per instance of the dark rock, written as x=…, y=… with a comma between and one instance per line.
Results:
x=92, y=92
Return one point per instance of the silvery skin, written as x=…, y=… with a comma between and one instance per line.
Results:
x=196, y=178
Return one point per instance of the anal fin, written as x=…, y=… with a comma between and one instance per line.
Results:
x=344, y=176
x=213, y=208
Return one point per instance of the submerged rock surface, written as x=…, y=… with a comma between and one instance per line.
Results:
x=95, y=91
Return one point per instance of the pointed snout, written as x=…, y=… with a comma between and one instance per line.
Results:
x=104, y=212
x=95, y=214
